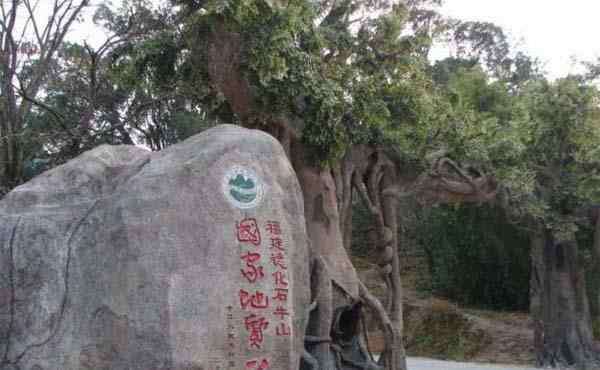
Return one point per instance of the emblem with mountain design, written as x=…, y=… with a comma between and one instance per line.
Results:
x=242, y=187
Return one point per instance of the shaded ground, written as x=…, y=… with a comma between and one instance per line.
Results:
x=511, y=337
x=437, y=328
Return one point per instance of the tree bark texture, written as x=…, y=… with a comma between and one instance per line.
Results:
x=559, y=305
x=368, y=171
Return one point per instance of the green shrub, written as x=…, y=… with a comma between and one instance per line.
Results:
x=476, y=257
x=362, y=229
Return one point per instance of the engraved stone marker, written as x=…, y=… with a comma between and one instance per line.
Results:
x=192, y=258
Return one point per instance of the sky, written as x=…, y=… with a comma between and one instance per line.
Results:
x=553, y=31
x=556, y=32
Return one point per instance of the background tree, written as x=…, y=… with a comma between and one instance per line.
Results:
x=537, y=138
x=25, y=65
x=117, y=92
x=563, y=157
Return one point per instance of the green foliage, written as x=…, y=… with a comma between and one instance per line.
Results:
x=340, y=83
x=476, y=257
x=77, y=111
x=538, y=138
x=484, y=41
x=362, y=231
x=561, y=139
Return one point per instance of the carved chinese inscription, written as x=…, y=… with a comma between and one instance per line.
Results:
x=256, y=300
x=280, y=278
x=253, y=271
x=257, y=364
x=231, y=339
x=247, y=231
x=256, y=325
x=266, y=310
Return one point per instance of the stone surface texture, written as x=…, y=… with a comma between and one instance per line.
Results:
x=124, y=259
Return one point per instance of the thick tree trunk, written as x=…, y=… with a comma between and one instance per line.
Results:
x=323, y=220
x=318, y=339
x=334, y=280
x=342, y=174
x=559, y=305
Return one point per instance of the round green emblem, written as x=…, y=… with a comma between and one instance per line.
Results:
x=242, y=187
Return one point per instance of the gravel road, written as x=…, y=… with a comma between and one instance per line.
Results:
x=415, y=363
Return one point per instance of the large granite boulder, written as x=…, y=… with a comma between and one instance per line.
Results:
x=191, y=258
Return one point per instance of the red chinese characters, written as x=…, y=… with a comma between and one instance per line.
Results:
x=252, y=272
x=280, y=279
x=257, y=364
x=256, y=325
x=248, y=231
x=282, y=312
x=280, y=294
x=277, y=244
x=257, y=300
x=283, y=330
x=273, y=228
x=278, y=260
x=261, y=320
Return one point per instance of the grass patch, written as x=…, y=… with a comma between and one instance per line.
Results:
x=361, y=262
x=441, y=331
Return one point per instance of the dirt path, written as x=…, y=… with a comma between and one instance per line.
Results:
x=512, y=341
x=438, y=328
x=508, y=337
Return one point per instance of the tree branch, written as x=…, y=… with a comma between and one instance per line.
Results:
x=364, y=194
x=31, y=18
x=50, y=45
x=23, y=94
x=439, y=186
